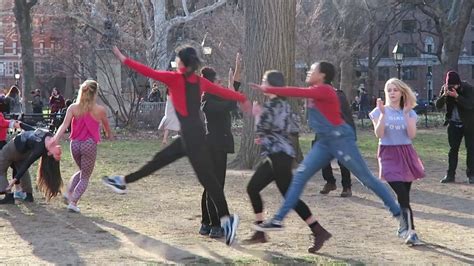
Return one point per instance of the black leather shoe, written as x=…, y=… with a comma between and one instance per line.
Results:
x=29, y=197
x=447, y=179
x=8, y=199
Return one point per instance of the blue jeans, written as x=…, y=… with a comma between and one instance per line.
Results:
x=344, y=148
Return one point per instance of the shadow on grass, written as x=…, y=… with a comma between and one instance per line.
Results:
x=462, y=221
x=445, y=251
x=274, y=257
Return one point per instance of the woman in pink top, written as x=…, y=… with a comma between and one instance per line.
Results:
x=85, y=117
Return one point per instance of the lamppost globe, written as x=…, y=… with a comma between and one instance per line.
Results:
x=398, y=58
x=17, y=77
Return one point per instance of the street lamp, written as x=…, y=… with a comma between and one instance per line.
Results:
x=398, y=58
x=17, y=77
x=429, y=77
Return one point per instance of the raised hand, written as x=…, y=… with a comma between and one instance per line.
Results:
x=407, y=107
x=118, y=54
x=380, y=105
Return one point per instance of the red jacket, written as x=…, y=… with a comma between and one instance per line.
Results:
x=176, y=84
x=4, y=124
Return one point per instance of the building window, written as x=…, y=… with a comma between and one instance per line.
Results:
x=2, y=69
x=409, y=26
x=429, y=48
x=383, y=49
x=41, y=47
x=409, y=50
x=14, y=50
x=383, y=73
x=16, y=67
x=2, y=48
x=408, y=73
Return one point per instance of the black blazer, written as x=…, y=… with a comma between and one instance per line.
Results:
x=219, y=121
x=464, y=103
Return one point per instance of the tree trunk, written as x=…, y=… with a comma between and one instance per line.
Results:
x=269, y=44
x=22, y=12
x=347, y=72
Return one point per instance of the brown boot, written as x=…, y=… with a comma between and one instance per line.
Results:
x=328, y=187
x=257, y=237
x=320, y=236
x=346, y=192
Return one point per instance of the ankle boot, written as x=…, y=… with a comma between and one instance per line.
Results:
x=320, y=236
x=29, y=197
x=9, y=199
x=257, y=237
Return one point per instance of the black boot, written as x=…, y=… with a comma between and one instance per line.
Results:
x=447, y=179
x=320, y=236
x=8, y=199
x=29, y=197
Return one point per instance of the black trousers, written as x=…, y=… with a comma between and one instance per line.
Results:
x=195, y=148
x=402, y=189
x=456, y=132
x=277, y=167
x=328, y=175
x=209, y=212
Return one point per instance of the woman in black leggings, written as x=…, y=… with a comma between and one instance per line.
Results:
x=273, y=134
x=186, y=88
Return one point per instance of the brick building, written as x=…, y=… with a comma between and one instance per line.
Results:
x=420, y=68
x=46, y=40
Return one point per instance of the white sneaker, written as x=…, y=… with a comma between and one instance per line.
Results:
x=19, y=195
x=66, y=198
x=73, y=208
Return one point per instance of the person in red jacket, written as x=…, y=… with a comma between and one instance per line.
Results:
x=4, y=126
x=186, y=89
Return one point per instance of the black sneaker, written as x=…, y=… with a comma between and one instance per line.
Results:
x=216, y=232
x=116, y=183
x=9, y=199
x=230, y=228
x=205, y=229
x=29, y=197
x=271, y=225
x=470, y=180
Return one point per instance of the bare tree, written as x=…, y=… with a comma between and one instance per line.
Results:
x=269, y=44
x=22, y=10
x=451, y=18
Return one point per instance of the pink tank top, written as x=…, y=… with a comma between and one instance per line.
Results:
x=84, y=128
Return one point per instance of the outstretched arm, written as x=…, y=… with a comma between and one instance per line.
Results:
x=312, y=92
x=166, y=77
x=215, y=89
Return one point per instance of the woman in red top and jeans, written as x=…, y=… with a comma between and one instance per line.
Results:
x=186, y=88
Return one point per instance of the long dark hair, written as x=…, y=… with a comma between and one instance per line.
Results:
x=190, y=59
x=14, y=91
x=328, y=70
x=49, y=176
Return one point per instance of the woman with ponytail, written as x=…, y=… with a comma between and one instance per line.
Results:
x=85, y=117
x=185, y=89
x=21, y=152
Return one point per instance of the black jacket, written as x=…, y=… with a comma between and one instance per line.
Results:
x=219, y=121
x=464, y=103
x=345, y=108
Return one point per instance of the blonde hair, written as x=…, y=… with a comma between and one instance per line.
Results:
x=407, y=92
x=87, y=95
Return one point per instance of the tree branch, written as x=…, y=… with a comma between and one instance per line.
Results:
x=146, y=15
x=185, y=7
x=179, y=20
